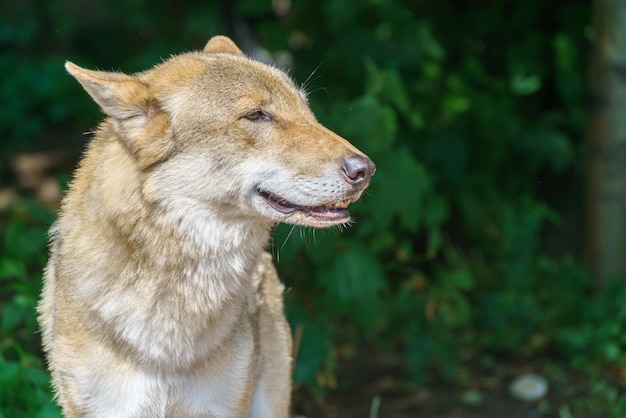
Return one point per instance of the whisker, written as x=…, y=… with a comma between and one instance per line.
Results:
x=305, y=84
x=288, y=236
x=317, y=89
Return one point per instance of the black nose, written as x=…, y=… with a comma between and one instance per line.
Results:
x=358, y=169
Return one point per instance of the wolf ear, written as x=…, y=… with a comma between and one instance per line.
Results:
x=119, y=95
x=222, y=44
x=136, y=114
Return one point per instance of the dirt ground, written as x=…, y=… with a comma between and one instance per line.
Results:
x=370, y=391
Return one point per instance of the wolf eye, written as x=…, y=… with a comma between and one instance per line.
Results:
x=258, y=116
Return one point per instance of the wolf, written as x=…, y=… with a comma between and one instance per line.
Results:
x=159, y=297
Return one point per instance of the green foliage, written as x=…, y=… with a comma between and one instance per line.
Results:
x=465, y=119
x=36, y=38
x=24, y=384
x=474, y=116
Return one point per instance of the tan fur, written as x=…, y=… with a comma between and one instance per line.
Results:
x=159, y=300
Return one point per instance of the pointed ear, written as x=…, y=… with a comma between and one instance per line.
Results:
x=119, y=95
x=222, y=44
x=136, y=114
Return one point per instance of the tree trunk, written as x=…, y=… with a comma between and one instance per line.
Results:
x=606, y=135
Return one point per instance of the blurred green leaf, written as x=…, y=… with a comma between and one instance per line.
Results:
x=388, y=85
x=25, y=241
x=369, y=123
x=12, y=269
x=313, y=354
x=9, y=372
x=356, y=280
x=547, y=147
x=398, y=190
x=13, y=314
x=459, y=278
x=525, y=84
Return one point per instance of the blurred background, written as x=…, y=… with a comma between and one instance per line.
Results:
x=491, y=244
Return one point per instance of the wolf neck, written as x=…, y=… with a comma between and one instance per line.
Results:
x=226, y=245
x=217, y=254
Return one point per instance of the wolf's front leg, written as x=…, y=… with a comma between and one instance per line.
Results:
x=272, y=394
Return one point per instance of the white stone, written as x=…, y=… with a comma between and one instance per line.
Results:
x=529, y=387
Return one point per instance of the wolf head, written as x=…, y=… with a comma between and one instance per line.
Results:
x=216, y=128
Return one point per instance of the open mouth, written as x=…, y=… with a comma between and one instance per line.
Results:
x=330, y=212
